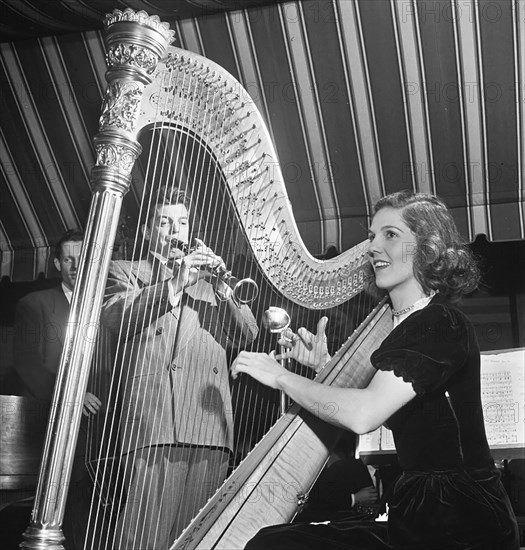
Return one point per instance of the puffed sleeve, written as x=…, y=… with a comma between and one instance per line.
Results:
x=427, y=348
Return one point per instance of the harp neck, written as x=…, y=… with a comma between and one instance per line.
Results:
x=195, y=95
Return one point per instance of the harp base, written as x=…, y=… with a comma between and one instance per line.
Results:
x=38, y=537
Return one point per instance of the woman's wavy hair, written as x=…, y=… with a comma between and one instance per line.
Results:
x=442, y=261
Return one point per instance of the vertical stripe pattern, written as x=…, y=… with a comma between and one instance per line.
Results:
x=361, y=99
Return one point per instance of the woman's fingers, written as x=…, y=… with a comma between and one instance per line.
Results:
x=321, y=327
x=306, y=338
x=289, y=338
x=261, y=366
x=239, y=364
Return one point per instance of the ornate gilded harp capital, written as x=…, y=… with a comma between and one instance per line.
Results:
x=135, y=42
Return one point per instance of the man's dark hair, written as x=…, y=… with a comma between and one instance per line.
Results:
x=165, y=194
x=70, y=235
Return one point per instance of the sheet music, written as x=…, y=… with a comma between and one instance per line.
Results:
x=381, y=439
x=502, y=396
x=368, y=442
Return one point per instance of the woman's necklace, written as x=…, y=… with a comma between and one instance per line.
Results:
x=399, y=312
x=405, y=310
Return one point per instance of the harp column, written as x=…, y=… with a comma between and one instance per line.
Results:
x=135, y=42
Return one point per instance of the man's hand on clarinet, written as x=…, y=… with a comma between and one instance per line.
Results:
x=91, y=404
x=199, y=263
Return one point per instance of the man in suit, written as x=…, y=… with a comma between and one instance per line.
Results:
x=176, y=319
x=39, y=330
x=345, y=488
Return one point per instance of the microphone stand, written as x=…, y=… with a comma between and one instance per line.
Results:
x=276, y=320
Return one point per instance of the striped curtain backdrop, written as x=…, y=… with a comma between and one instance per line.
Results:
x=361, y=97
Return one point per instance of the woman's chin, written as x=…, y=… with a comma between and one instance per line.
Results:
x=382, y=285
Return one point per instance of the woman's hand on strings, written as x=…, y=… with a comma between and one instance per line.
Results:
x=308, y=349
x=260, y=366
x=91, y=404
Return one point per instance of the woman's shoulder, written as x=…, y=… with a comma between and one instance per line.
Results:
x=437, y=326
x=428, y=347
x=437, y=312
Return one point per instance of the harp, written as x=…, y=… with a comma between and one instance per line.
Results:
x=154, y=86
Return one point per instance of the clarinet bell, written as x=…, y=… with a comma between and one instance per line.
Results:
x=242, y=291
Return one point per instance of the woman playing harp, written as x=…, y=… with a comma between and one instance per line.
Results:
x=427, y=387
x=175, y=319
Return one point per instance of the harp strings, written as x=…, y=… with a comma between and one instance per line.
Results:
x=151, y=450
x=156, y=170
x=177, y=154
x=108, y=470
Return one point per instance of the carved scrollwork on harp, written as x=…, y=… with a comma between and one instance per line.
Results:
x=121, y=106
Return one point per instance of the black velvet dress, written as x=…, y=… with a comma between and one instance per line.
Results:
x=449, y=495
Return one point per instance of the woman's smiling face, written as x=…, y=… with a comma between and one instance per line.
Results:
x=391, y=251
